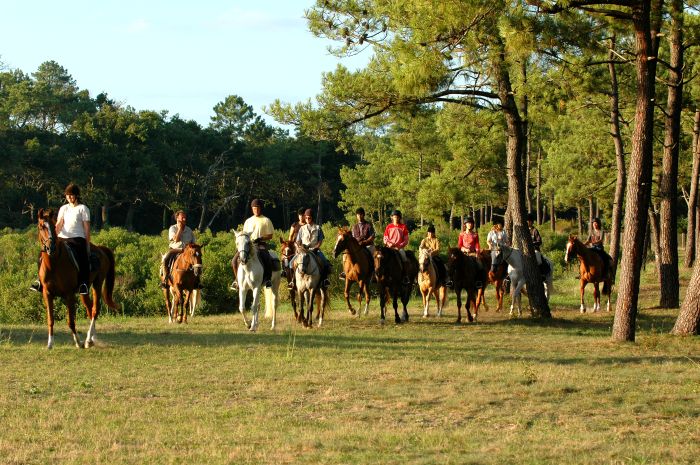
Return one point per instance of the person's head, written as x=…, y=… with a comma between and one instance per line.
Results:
x=596, y=223
x=309, y=216
x=431, y=231
x=470, y=223
x=396, y=216
x=72, y=194
x=530, y=219
x=300, y=214
x=360, y=214
x=498, y=224
x=256, y=205
x=180, y=217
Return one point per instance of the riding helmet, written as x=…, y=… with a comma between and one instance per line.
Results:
x=431, y=229
x=309, y=212
x=360, y=211
x=396, y=213
x=470, y=220
x=257, y=203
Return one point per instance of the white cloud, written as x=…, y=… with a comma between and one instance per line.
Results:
x=138, y=25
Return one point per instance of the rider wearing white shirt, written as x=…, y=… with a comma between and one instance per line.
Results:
x=73, y=225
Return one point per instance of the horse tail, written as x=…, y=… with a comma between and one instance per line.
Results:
x=108, y=290
x=607, y=287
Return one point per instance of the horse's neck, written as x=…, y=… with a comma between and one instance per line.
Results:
x=354, y=250
x=583, y=252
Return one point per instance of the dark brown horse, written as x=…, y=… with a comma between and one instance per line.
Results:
x=492, y=277
x=357, y=266
x=287, y=251
x=390, y=278
x=183, y=283
x=465, y=272
x=59, y=278
x=594, y=268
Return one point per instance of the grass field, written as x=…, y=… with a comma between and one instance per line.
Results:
x=354, y=392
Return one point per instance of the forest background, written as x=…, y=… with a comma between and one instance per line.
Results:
x=481, y=108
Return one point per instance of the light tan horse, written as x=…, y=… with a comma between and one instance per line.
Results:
x=59, y=278
x=428, y=283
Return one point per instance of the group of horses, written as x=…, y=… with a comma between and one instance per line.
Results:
x=395, y=277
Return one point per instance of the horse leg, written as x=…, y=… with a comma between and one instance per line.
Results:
x=368, y=296
x=499, y=295
x=321, y=312
x=48, y=302
x=70, y=305
x=168, y=305
x=458, y=291
x=471, y=300
x=242, y=293
x=583, y=287
x=596, y=297
x=405, y=297
x=92, y=313
x=348, y=286
x=383, y=294
x=310, y=296
x=519, y=296
x=425, y=294
x=254, y=309
x=395, y=304
x=186, y=305
x=441, y=296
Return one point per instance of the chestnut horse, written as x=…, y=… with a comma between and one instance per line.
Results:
x=183, y=283
x=357, y=265
x=465, y=272
x=387, y=265
x=428, y=283
x=593, y=269
x=492, y=277
x=59, y=278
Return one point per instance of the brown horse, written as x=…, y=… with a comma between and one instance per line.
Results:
x=465, y=272
x=357, y=265
x=388, y=269
x=183, y=283
x=59, y=278
x=594, y=268
x=496, y=278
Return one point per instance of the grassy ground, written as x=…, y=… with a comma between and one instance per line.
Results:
x=501, y=391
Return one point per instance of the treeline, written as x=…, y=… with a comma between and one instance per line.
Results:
x=136, y=167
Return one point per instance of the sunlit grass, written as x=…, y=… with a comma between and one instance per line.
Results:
x=500, y=391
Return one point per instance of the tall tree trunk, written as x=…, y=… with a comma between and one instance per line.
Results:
x=619, y=198
x=105, y=215
x=668, y=183
x=693, y=197
x=452, y=216
x=202, y=216
x=591, y=214
x=516, y=187
x=129, y=222
x=552, y=213
x=319, y=216
x=538, y=193
x=654, y=237
x=579, y=219
x=647, y=21
x=688, y=321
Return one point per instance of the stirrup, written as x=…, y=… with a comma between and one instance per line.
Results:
x=406, y=280
x=290, y=285
x=268, y=283
x=326, y=282
x=234, y=286
x=479, y=284
x=450, y=284
x=36, y=286
x=83, y=289
x=342, y=276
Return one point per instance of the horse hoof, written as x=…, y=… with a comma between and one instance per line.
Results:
x=458, y=323
x=381, y=322
x=89, y=344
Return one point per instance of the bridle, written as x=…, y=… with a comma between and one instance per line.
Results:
x=196, y=268
x=48, y=244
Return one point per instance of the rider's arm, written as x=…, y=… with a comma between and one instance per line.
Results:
x=86, y=228
x=477, y=245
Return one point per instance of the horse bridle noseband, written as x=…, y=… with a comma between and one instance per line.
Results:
x=51, y=247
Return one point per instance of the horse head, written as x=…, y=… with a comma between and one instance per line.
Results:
x=341, y=242
x=423, y=260
x=570, y=248
x=379, y=256
x=287, y=251
x=193, y=257
x=244, y=246
x=47, y=230
x=302, y=260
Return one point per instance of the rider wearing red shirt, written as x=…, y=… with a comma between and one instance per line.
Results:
x=396, y=237
x=469, y=239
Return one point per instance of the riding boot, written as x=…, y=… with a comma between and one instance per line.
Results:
x=266, y=261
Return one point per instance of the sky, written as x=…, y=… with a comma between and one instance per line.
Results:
x=177, y=55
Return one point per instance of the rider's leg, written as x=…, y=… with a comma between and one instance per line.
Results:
x=404, y=265
x=36, y=285
x=234, y=267
x=266, y=261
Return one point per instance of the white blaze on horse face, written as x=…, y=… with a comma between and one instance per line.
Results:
x=566, y=255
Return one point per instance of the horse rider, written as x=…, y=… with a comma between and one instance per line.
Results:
x=260, y=229
x=73, y=226
x=396, y=238
x=534, y=233
x=468, y=243
x=432, y=244
x=294, y=229
x=597, y=236
x=311, y=237
x=495, y=239
x=363, y=232
x=179, y=235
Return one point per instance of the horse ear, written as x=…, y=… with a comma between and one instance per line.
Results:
x=40, y=213
x=281, y=240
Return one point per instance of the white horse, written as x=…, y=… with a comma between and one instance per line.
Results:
x=514, y=258
x=250, y=276
x=427, y=282
x=307, y=275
